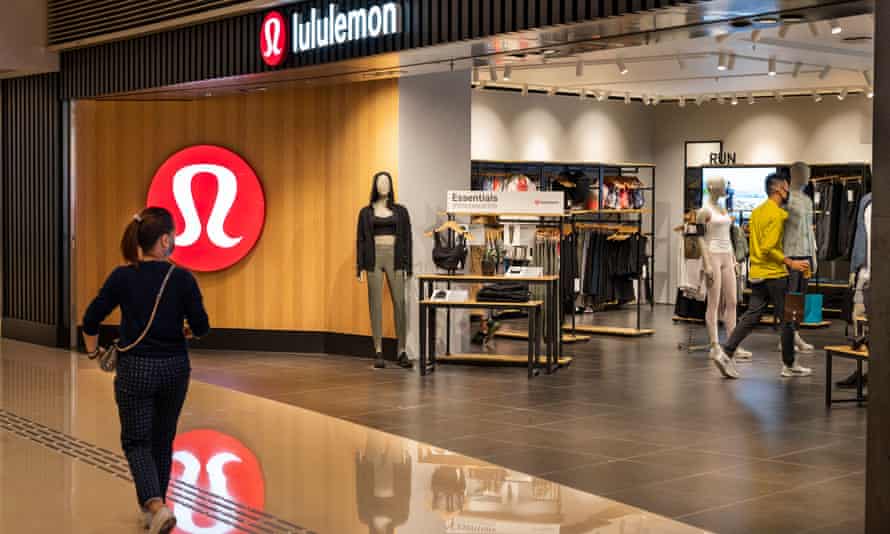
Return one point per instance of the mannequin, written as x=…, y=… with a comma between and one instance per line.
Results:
x=383, y=472
x=719, y=266
x=800, y=238
x=384, y=248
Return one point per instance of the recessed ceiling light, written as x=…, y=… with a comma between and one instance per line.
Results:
x=869, y=92
x=722, y=62
x=772, y=66
x=835, y=27
x=622, y=68
x=549, y=52
x=508, y=72
x=793, y=17
x=735, y=100
x=843, y=94
x=627, y=98
x=767, y=20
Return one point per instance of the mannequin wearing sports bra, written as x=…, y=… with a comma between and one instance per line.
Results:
x=719, y=265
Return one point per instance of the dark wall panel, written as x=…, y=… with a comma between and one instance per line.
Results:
x=230, y=47
x=33, y=209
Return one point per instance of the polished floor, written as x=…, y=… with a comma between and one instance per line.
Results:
x=635, y=420
x=246, y=464
x=634, y=437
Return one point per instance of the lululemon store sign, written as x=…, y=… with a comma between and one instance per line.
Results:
x=217, y=202
x=315, y=29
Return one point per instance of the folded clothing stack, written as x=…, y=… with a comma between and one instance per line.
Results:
x=504, y=292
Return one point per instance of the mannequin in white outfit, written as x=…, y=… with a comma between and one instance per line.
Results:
x=719, y=266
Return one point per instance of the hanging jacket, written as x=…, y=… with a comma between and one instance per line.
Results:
x=859, y=257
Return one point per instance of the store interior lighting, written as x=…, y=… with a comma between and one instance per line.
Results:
x=772, y=66
x=508, y=72
x=582, y=94
x=682, y=101
x=797, y=67
x=869, y=92
x=602, y=96
x=723, y=61
x=836, y=28
x=721, y=99
x=735, y=100
x=825, y=72
x=817, y=97
x=843, y=94
x=751, y=99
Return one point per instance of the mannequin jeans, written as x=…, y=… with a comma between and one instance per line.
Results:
x=385, y=264
x=722, y=295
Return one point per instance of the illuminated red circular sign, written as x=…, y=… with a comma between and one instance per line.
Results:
x=221, y=465
x=273, y=39
x=217, y=202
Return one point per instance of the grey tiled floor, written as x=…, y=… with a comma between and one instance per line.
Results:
x=632, y=419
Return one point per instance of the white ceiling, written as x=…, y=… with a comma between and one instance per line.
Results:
x=687, y=67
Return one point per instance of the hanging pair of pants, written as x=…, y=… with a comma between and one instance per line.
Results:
x=150, y=393
x=762, y=295
x=722, y=295
x=385, y=264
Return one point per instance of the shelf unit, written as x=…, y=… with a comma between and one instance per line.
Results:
x=541, y=171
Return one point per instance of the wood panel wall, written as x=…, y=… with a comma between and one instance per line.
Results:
x=314, y=149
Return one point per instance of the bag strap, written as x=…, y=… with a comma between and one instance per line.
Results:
x=154, y=311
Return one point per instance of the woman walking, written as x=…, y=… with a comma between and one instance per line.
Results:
x=156, y=299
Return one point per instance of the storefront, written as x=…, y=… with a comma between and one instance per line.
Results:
x=264, y=133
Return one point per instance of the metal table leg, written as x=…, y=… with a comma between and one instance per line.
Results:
x=422, y=333
x=532, y=319
x=828, y=384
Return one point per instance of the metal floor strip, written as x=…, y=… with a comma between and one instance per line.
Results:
x=236, y=515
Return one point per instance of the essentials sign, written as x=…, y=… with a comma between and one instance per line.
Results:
x=321, y=28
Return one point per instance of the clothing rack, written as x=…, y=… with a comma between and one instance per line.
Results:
x=619, y=221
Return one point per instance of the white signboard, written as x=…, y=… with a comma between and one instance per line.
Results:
x=506, y=203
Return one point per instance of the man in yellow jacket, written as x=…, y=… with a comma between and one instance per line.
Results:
x=769, y=280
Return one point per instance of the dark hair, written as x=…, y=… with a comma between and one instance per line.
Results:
x=375, y=196
x=772, y=182
x=144, y=231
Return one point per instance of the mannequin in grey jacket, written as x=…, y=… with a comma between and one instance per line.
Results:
x=799, y=241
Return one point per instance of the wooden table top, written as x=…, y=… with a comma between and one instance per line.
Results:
x=483, y=304
x=847, y=350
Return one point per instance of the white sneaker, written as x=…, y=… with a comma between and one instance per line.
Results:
x=724, y=363
x=742, y=355
x=796, y=371
x=162, y=522
x=802, y=346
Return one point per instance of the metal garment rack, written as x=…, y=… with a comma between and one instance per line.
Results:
x=540, y=170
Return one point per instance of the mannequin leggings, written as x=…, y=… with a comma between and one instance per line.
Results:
x=722, y=295
x=385, y=263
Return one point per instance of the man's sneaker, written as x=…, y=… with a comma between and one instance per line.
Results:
x=796, y=371
x=802, y=346
x=742, y=355
x=723, y=363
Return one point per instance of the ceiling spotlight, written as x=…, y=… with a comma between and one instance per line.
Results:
x=813, y=29
x=731, y=64
x=681, y=63
x=797, y=67
x=817, y=97
x=778, y=96
x=549, y=52
x=735, y=100
x=751, y=98
x=843, y=94
x=492, y=72
x=622, y=68
x=783, y=31
x=772, y=66
x=825, y=72
x=627, y=98
x=682, y=102
x=868, y=80
x=835, y=26
x=721, y=99
x=869, y=92
x=755, y=36
x=524, y=89
x=723, y=62
x=603, y=96
x=508, y=72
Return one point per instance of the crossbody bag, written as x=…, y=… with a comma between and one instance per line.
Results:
x=107, y=358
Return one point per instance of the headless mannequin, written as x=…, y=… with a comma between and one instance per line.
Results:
x=719, y=265
x=800, y=177
x=396, y=277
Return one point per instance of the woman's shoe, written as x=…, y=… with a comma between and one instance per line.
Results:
x=379, y=362
x=162, y=522
x=404, y=362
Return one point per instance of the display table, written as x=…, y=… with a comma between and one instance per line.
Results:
x=844, y=351
x=428, y=328
x=551, y=317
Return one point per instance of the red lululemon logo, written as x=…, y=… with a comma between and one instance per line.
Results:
x=273, y=39
x=217, y=202
x=219, y=464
